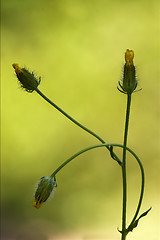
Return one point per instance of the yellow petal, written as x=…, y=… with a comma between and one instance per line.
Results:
x=17, y=68
x=129, y=55
x=37, y=204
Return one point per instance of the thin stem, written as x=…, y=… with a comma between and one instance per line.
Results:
x=124, y=233
x=76, y=155
x=77, y=123
x=142, y=188
x=109, y=145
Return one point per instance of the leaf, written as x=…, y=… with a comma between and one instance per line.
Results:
x=135, y=223
x=144, y=214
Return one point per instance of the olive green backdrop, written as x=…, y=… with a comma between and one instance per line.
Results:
x=77, y=47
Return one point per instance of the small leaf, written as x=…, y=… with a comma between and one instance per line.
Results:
x=119, y=231
x=144, y=214
x=134, y=225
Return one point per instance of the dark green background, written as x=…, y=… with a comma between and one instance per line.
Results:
x=78, y=47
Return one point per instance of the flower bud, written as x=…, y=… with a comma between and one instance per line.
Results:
x=129, y=81
x=45, y=187
x=27, y=80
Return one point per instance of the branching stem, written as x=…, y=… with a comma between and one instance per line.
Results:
x=109, y=145
x=115, y=157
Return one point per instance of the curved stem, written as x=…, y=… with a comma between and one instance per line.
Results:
x=142, y=183
x=76, y=155
x=109, y=145
x=142, y=187
x=77, y=123
x=124, y=233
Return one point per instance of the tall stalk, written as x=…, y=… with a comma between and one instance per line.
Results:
x=124, y=178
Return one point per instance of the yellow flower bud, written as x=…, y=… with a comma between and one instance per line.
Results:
x=27, y=80
x=129, y=82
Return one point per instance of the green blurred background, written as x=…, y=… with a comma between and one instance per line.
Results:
x=77, y=47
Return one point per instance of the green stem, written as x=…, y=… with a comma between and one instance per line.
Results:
x=109, y=145
x=124, y=233
x=142, y=190
x=77, y=123
x=76, y=155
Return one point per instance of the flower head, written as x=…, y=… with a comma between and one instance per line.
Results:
x=27, y=80
x=45, y=187
x=129, y=81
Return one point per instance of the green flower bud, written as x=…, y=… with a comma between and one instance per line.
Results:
x=27, y=80
x=129, y=81
x=45, y=187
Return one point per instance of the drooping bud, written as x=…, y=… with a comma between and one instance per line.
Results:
x=27, y=80
x=45, y=187
x=129, y=81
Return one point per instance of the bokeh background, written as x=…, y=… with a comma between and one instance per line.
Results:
x=77, y=47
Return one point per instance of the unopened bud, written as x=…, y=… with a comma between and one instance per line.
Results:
x=27, y=80
x=45, y=187
x=129, y=81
